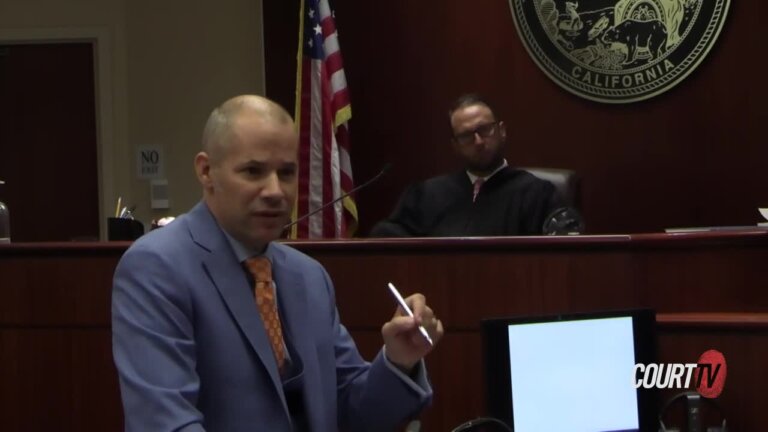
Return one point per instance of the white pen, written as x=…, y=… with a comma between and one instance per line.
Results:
x=407, y=310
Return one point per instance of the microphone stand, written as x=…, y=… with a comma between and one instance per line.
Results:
x=384, y=169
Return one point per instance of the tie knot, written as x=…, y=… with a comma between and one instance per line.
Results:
x=260, y=268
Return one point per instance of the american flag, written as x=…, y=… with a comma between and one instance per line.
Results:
x=322, y=114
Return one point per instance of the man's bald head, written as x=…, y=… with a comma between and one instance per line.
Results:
x=249, y=169
x=219, y=129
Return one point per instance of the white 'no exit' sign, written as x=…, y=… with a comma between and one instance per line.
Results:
x=150, y=162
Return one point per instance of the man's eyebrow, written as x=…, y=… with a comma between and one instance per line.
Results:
x=250, y=163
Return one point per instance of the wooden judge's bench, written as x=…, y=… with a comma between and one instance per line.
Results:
x=710, y=291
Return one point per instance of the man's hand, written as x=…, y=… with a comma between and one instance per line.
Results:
x=405, y=345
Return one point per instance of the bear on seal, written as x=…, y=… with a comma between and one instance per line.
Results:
x=637, y=34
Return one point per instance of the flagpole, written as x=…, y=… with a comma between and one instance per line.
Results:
x=297, y=105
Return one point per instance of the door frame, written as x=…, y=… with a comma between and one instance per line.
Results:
x=101, y=40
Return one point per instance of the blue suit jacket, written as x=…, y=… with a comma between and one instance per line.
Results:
x=192, y=353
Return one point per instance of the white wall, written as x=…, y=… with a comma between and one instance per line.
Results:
x=163, y=66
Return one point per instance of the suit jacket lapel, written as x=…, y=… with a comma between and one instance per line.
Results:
x=292, y=300
x=294, y=308
x=231, y=281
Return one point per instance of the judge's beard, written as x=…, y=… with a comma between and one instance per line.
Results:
x=485, y=168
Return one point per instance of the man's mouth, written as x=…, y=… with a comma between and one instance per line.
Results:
x=269, y=213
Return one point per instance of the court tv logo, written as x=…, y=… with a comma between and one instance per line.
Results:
x=618, y=51
x=707, y=375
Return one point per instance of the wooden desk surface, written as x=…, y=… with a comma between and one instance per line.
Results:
x=710, y=290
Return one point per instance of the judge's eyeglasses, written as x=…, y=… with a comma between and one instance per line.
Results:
x=484, y=130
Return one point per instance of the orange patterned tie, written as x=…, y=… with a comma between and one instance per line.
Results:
x=261, y=269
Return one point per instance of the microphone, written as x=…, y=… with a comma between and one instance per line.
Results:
x=483, y=423
x=384, y=169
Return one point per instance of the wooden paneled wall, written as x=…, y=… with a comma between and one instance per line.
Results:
x=694, y=156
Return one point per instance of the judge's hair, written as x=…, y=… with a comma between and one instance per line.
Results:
x=470, y=99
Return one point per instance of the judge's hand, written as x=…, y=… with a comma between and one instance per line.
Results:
x=405, y=345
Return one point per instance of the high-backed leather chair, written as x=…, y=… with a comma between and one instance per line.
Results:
x=566, y=182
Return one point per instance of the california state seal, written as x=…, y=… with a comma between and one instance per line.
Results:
x=618, y=51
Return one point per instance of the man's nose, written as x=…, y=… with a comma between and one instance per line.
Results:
x=272, y=187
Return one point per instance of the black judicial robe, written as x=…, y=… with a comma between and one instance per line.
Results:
x=511, y=202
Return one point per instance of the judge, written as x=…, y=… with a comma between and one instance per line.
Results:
x=487, y=198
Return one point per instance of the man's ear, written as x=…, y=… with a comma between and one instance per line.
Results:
x=502, y=130
x=203, y=170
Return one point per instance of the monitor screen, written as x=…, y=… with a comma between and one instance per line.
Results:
x=570, y=373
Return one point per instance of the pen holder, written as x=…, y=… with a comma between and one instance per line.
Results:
x=119, y=229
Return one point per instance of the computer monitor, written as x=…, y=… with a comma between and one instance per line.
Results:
x=570, y=373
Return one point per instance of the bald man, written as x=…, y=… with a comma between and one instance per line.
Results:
x=218, y=328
